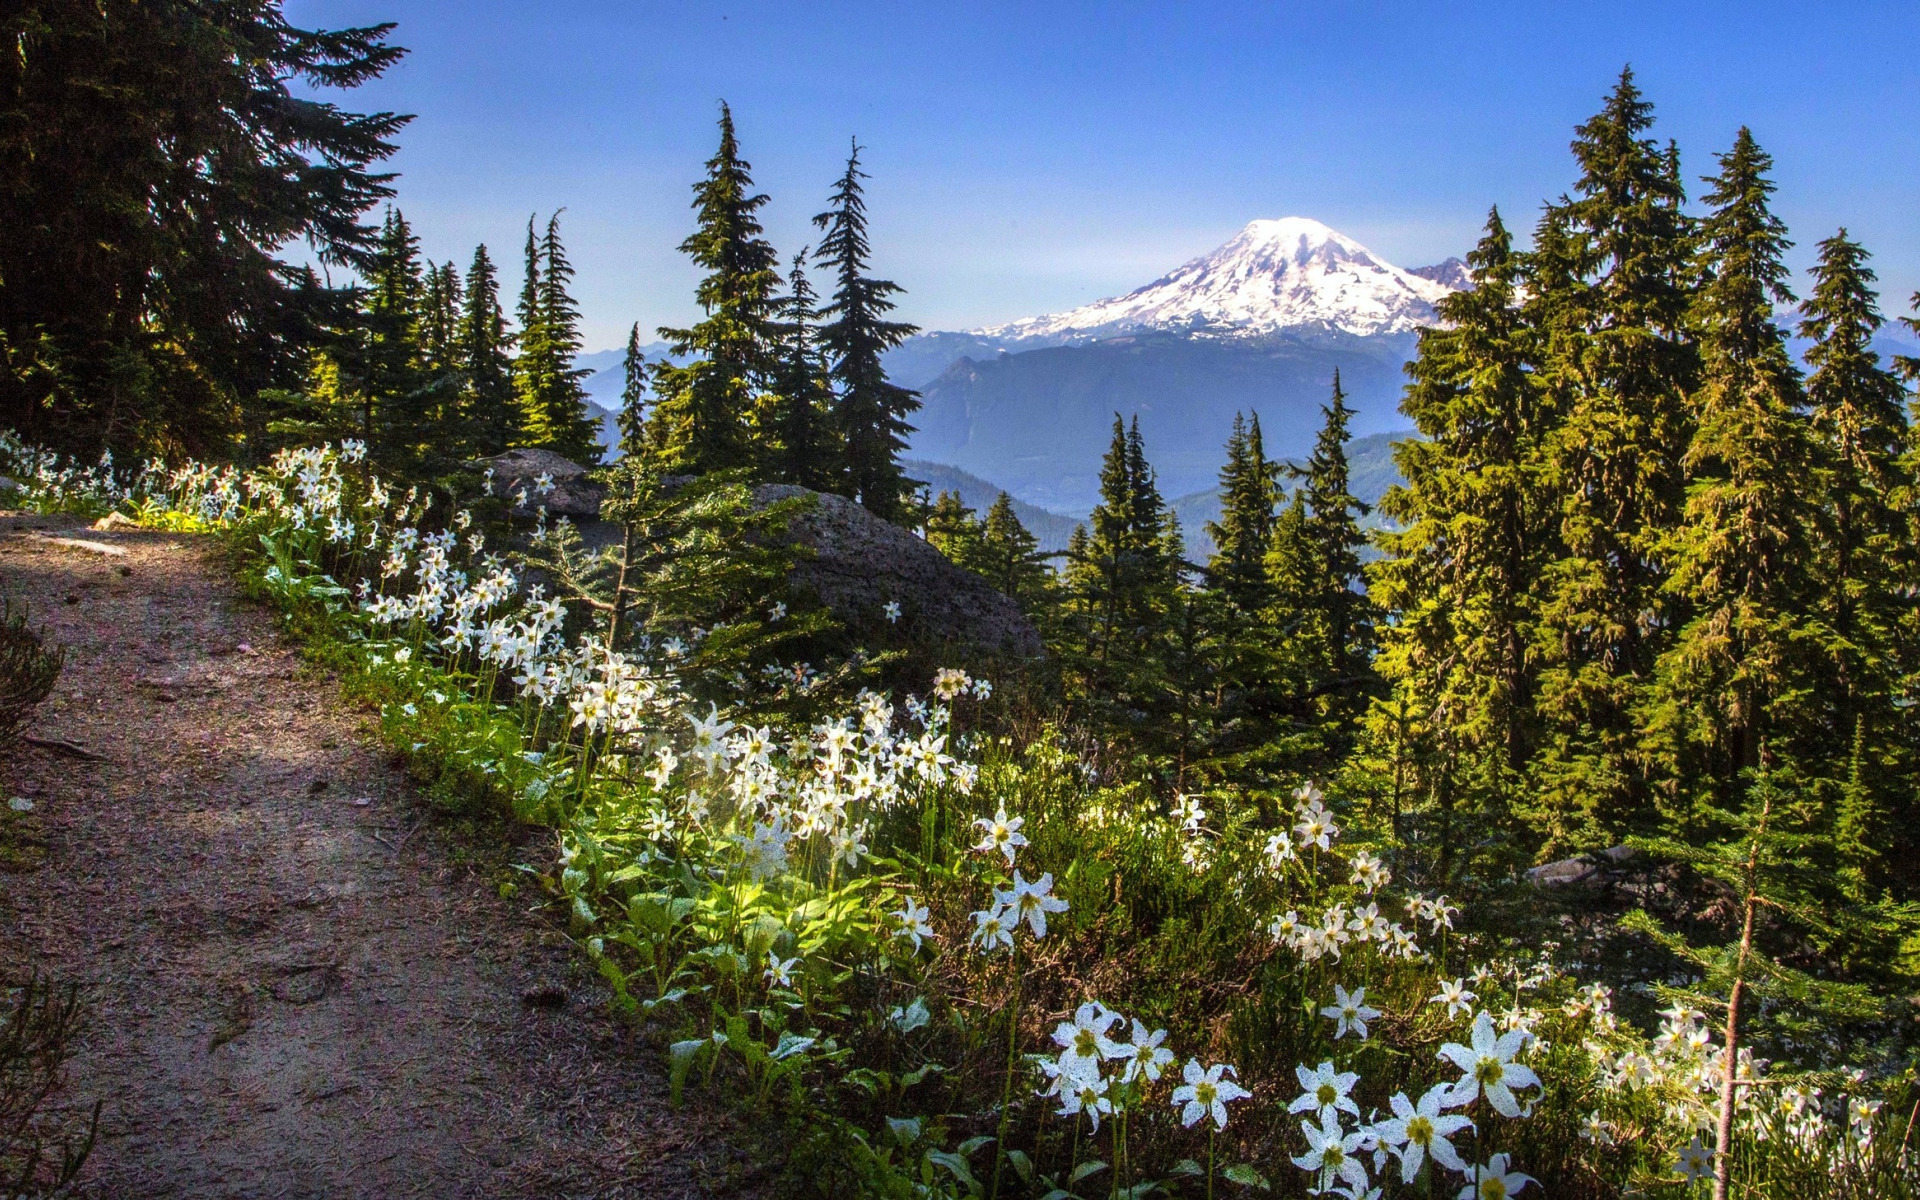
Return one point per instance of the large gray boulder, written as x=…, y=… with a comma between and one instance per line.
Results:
x=861, y=563
x=573, y=494
x=858, y=563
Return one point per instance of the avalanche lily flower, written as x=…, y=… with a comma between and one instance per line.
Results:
x=1031, y=901
x=1324, y=1090
x=1332, y=1151
x=1493, y=1181
x=1002, y=833
x=993, y=928
x=1488, y=1065
x=1285, y=929
x=1085, y=1037
x=1351, y=1011
x=1416, y=1132
x=1084, y=1094
x=1695, y=1161
x=1595, y=1130
x=1145, y=1055
x=779, y=972
x=892, y=610
x=709, y=736
x=911, y=922
x=1207, y=1093
x=1454, y=994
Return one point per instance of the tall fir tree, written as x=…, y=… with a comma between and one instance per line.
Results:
x=633, y=397
x=440, y=307
x=1473, y=528
x=1008, y=556
x=952, y=529
x=1242, y=535
x=1333, y=528
x=1124, y=577
x=870, y=412
x=391, y=367
x=553, y=402
x=801, y=446
x=1611, y=299
x=701, y=415
x=1728, y=685
x=1867, y=554
x=156, y=160
x=490, y=411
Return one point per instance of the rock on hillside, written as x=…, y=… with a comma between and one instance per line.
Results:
x=860, y=562
x=574, y=493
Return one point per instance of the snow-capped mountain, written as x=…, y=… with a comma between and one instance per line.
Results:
x=1293, y=274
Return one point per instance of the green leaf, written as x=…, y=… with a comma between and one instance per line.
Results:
x=973, y=1144
x=1022, y=1165
x=1187, y=1166
x=957, y=1166
x=1091, y=1167
x=791, y=1045
x=680, y=1058
x=905, y=1130
x=1244, y=1175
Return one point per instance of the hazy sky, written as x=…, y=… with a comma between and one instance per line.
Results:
x=1031, y=157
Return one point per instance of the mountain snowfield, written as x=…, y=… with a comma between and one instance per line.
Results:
x=1258, y=325
x=1290, y=275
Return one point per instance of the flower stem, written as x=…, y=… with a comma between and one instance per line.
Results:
x=1006, y=1089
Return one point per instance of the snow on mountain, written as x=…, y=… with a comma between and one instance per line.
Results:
x=1290, y=274
x=1454, y=273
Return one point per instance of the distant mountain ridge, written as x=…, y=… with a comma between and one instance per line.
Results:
x=1290, y=275
x=1257, y=325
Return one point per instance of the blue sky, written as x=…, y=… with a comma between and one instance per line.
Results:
x=1031, y=157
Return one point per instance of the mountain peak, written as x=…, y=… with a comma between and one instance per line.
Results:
x=1274, y=275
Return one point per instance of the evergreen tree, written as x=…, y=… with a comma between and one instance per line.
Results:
x=1865, y=557
x=1333, y=529
x=1611, y=301
x=1008, y=556
x=553, y=401
x=1124, y=583
x=392, y=370
x=951, y=528
x=702, y=409
x=440, y=308
x=633, y=396
x=1242, y=535
x=155, y=160
x=490, y=411
x=1723, y=689
x=870, y=412
x=800, y=443
x=1475, y=528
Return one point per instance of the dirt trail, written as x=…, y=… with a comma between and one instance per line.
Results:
x=290, y=992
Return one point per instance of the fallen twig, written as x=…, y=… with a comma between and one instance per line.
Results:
x=60, y=746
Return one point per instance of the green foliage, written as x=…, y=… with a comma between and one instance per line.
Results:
x=800, y=442
x=155, y=158
x=870, y=413
x=553, y=401
x=700, y=420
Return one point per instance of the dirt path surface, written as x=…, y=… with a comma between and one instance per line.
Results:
x=290, y=993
